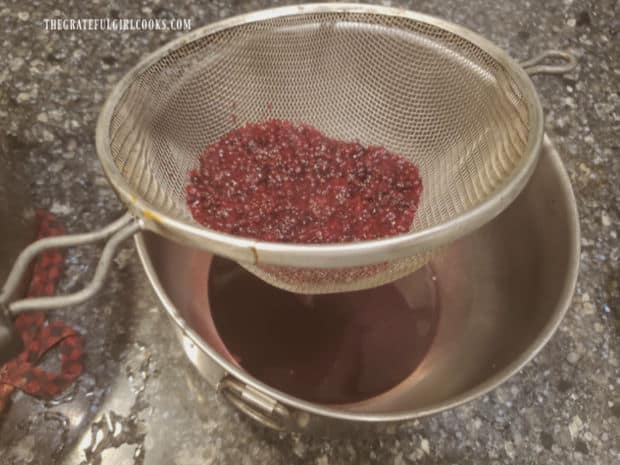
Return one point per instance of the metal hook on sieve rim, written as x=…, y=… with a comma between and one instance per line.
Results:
x=534, y=66
x=115, y=233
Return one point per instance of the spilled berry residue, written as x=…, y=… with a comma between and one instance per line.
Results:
x=279, y=181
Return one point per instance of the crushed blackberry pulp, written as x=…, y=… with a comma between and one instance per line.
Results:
x=283, y=182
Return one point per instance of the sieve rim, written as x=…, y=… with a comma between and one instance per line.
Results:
x=333, y=255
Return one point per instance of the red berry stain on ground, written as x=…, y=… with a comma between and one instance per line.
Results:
x=278, y=181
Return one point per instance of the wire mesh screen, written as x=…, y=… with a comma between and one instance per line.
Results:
x=410, y=86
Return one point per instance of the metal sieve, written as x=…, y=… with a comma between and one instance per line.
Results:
x=436, y=93
x=446, y=98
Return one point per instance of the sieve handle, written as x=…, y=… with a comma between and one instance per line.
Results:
x=115, y=233
x=536, y=64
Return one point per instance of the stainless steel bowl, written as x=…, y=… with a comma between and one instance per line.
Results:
x=503, y=291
